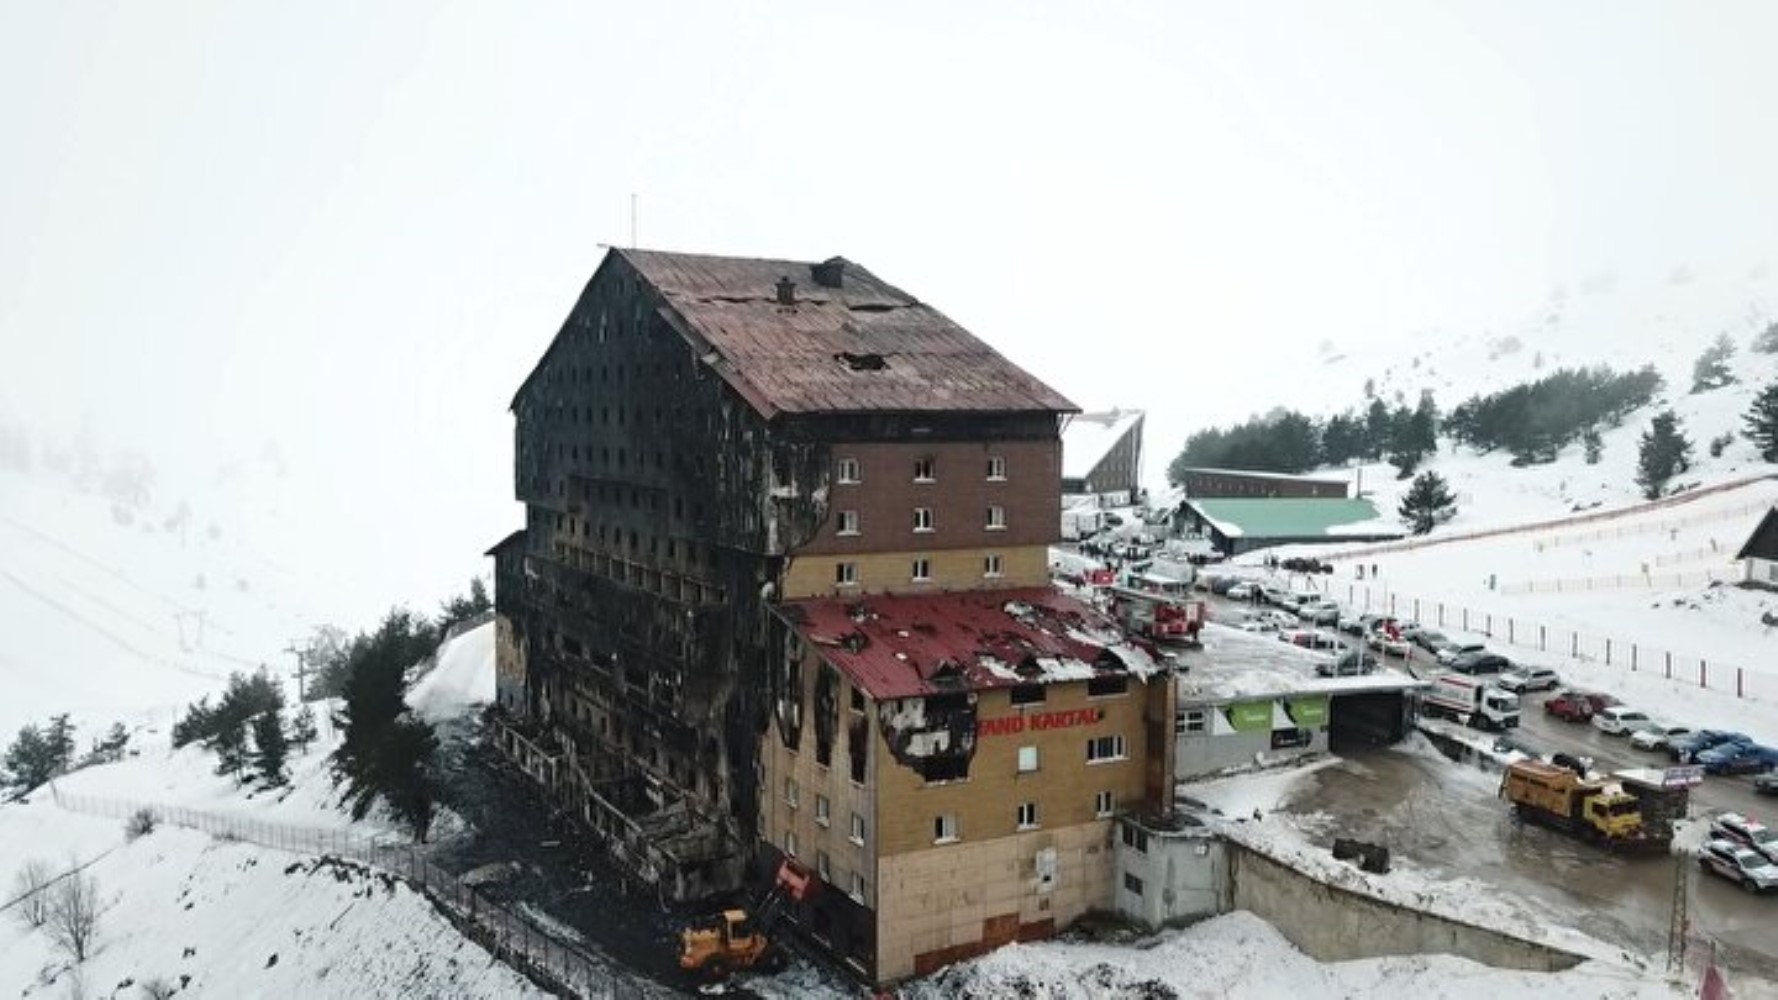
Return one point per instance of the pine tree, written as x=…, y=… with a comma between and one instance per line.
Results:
x=302, y=728
x=1711, y=370
x=29, y=761
x=1428, y=503
x=1761, y=421
x=408, y=773
x=1377, y=426
x=1766, y=342
x=1593, y=444
x=230, y=744
x=269, y=747
x=1663, y=453
x=59, y=742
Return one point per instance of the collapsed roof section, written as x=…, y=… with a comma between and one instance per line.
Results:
x=915, y=645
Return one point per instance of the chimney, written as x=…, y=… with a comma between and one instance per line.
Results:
x=830, y=273
x=786, y=291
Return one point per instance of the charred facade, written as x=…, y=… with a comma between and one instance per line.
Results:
x=687, y=452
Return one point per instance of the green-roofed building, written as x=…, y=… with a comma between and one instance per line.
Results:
x=1237, y=525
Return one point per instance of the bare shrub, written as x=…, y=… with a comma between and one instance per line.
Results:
x=28, y=885
x=156, y=988
x=141, y=823
x=74, y=911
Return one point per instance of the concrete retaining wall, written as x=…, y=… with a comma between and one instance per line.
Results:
x=1332, y=924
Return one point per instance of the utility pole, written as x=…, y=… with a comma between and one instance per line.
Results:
x=302, y=670
x=1678, y=918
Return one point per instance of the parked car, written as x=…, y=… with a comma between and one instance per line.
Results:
x=1240, y=592
x=1324, y=613
x=1277, y=596
x=1738, y=758
x=1687, y=749
x=1450, y=651
x=1258, y=624
x=1766, y=784
x=1282, y=619
x=1481, y=663
x=1749, y=833
x=1523, y=678
x=1575, y=705
x=1621, y=720
x=1351, y=623
x=1739, y=864
x=1427, y=639
x=1350, y=664
x=1658, y=735
x=1309, y=639
x=1381, y=641
x=1219, y=585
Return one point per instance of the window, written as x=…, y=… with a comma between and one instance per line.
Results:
x=1132, y=883
x=791, y=793
x=922, y=568
x=996, y=518
x=1029, y=694
x=822, y=808
x=923, y=471
x=991, y=565
x=857, y=892
x=1027, y=759
x=1027, y=815
x=823, y=866
x=1104, y=803
x=790, y=842
x=1105, y=687
x=1105, y=748
x=1135, y=838
x=848, y=522
x=845, y=574
x=944, y=828
x=857, y=829
x=858, y=699
x=847, y=471
x=1194, y=720
x=996, y=468
x=922, y=518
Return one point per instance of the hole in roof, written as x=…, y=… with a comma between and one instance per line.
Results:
x=871, y=307
x=862, y=362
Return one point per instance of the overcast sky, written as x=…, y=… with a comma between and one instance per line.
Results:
x=342, y=233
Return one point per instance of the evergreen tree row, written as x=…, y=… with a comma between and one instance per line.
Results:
x=1534, y=421
x=1287, y=441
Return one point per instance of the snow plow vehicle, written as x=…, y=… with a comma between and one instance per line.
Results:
x=1589, y=808
x=736, y=939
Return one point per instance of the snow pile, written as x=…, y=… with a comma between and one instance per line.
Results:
x=229, y=919
x=462, y=681
x=1240, y=955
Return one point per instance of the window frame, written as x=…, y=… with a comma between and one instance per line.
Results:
x=946, y=829
x=993, y=567
x=996, y=518
x=1104, y=804
x=823, y=810
x=926, y=470
x=921, y=570
x=856, y=832
x=848, y=524
x=847, y=471
x=1028, y=760
x=996, y=469
x=1027, y=817
x=845, y=574
x=1121, y=749
x=924, y=522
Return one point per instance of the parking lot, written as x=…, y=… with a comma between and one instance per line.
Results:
x=1453, y=823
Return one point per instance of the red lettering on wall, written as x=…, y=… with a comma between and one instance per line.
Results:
x=1063, y=719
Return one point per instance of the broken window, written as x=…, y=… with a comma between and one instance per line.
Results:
x=1103, y=804
x=996, y=468
x=857, y=699
x=996, y=518
x=857, y=891
x=848, y=522
x=823, y=868
x=823, y=810
x=944, y=828
x=1105, y=687
x=923, y=470
x=858, y=746
x=857, y=833
x=1102, y=748
x=922, y=518
x=1029, y=694
x=792, y=794
x=845, y=574
x=790, y=842
x=827, y=714
x=1132, y=883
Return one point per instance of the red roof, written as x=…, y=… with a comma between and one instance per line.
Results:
x=914, y=645
x=852, y=344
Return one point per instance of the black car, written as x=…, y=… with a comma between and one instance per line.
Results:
x=1481, y=663
x=1352, y=663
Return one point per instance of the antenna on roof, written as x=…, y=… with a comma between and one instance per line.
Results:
x=632, y=220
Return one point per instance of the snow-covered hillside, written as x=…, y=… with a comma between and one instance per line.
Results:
x=228, y=918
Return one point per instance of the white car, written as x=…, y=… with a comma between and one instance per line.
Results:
x=1381, y=642
x=1740, y=864
x=1657, y=735
x=1261, y=625
x=1448, y=653
x=1752, y=834
x=1621, y=719
x=1240, y=592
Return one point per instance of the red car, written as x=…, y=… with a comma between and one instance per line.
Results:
x=1577, y=706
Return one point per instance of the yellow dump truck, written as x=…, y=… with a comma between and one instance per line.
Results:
x=1561, y=798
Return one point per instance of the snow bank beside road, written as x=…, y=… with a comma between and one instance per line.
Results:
x=1240, y=955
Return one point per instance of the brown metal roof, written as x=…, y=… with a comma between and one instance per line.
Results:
x=864, y=346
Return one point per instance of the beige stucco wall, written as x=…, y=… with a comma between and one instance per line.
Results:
x=891, y=572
